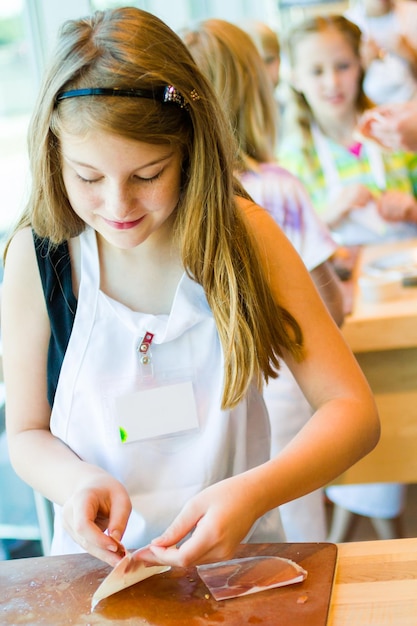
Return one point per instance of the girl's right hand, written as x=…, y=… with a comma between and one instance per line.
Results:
x=100, y=504
x=357, y=196
x=351, y=197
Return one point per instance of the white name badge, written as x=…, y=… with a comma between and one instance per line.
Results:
x=156, y=412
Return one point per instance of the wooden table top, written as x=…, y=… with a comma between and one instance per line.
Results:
x=383, y=325
x=375, y=585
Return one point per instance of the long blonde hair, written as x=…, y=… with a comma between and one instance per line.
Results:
x=228, y=57
x=130, y=48
x=298, y=115
x=264, y=37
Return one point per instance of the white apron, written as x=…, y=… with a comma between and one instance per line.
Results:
x=102, y=365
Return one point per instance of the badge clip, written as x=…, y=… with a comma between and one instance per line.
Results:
x=144, y=348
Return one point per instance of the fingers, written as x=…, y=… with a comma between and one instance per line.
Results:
x=91, y=512
x=192, y=519
x=375, y=124
x=182, y=525
x=205, y=531
x=192, y=551
x=121, y=507
x=205, y=545
x=360, y=196
x=89, y=536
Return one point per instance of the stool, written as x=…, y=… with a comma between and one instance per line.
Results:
x=381, y=503
x=343, y=523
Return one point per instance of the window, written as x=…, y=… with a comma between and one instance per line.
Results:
x=17, y=94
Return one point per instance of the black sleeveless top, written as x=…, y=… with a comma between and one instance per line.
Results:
x=55, y=270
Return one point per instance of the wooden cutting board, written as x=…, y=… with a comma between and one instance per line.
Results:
x=58, y=590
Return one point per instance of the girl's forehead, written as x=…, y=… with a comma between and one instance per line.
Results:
x=102, y=147
x=378, y=6
x=321, y=42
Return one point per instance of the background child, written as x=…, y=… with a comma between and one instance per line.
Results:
x=142, y=317
x=389, y=48
x=227, y=56
x=353, y=185
x=363, y=194
x=267, y=43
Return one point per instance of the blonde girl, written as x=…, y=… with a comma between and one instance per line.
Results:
x=142, y=316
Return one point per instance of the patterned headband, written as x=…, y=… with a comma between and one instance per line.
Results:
x=160, y=94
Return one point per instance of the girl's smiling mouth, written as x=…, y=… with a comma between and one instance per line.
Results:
x=123, y=225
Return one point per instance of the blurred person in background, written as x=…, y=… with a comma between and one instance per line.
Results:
x=228, y=57
x=389, y=48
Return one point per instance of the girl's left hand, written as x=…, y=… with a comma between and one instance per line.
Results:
x=404, y=48
x=219, y=518
x=397, y=206
x=370, y=51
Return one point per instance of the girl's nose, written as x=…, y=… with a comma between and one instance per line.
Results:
x=119, y=202
x=331, y=78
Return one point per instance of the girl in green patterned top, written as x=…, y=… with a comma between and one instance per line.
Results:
x=362, y=193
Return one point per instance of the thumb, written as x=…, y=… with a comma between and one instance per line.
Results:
x=183, y=524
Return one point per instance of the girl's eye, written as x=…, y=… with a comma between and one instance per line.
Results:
x=151, y=179
x=270, y=60
x=88, y=181
x=91, y=181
